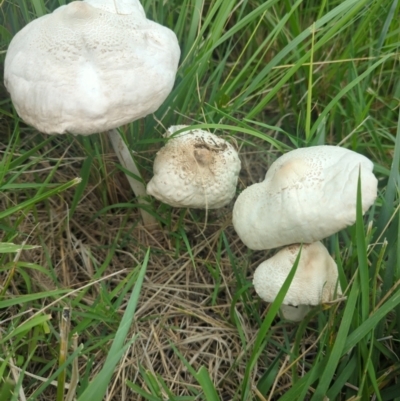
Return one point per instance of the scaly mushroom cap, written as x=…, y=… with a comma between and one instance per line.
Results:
x=195, y=169
x=90, y=66
x=314, y=282
x=307, y=195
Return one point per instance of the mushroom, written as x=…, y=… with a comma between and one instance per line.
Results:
x=308, y=194
x=315, y=280
x=195, y=169
x=92, y=66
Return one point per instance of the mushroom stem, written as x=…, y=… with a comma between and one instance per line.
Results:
x=294, y=313
x=139, y=189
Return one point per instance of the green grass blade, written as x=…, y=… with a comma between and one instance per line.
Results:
x=10, y=248
x=55, y=374
x=258, y=346
x=346, y=89
x=393, y=184
x=30, y=202
x=22, y=299
x=98, y=387
x=138, y=390
x=26, y=326
x=340, y=341
x=361, y=331
x=85, y=173
x=207, y=385
x=342, y=10
x=310, y=86
x=386, y=25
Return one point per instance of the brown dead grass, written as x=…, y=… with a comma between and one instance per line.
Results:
x=178, y=303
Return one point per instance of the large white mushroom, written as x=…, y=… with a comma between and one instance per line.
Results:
x=315, y=280
x=307, y=195
x=195, y=169
x=91, y=66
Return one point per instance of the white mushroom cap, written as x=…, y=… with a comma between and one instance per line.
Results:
x=307, y=195
x=314, y=282
x=195, y=169
x=90, y=66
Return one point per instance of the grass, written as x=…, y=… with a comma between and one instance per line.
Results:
x=174, y=316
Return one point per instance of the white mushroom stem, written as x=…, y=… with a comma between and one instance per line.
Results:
x=138, y=187
x=294, y=313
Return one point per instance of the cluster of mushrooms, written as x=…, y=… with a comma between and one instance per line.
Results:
x=94, y=65
x=308, y=194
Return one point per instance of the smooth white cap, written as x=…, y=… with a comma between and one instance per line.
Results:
x=195, y=169
x=90, y=66
x=315, y=280
x=308, y=194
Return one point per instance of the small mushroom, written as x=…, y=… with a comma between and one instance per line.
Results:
x=92, y=66
x=307, y=195
x=195, y=169
x=315, y=280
